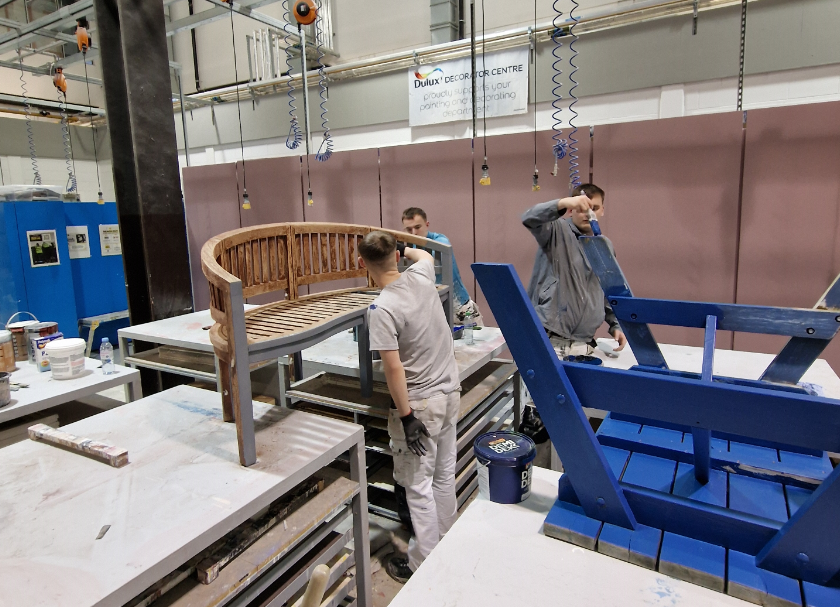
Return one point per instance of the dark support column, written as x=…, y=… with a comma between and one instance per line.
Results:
x=138, y=96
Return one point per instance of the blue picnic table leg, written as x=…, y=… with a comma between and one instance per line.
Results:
x=703, y=437
x=558, y=404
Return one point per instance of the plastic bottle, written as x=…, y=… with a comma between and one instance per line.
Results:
x=106, y=355
x=468, y=329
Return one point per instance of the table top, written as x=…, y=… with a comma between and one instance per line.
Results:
x=729, y=363
x=186, y=331
x=496, y=554
x=340, y=354
x=45, y=392
x=182, y=490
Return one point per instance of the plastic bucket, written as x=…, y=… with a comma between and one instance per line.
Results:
x=67, y=357
x=5, y=390
x=505, y=464
x=19, y=343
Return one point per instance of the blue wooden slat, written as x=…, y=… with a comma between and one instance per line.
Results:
x=786, y=418
x=603, y=264
x=815, y=596
x=584, y=462
x=806, y=465
x=730, y=317
x=662, y=437
x=640, y=546
x=746, y=580
x=689, y=559
x=807, y=546
x=618, y=429
x=753, y=454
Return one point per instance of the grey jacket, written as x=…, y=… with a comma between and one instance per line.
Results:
x=564, y=290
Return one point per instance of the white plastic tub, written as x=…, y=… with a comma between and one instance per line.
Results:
x=67, y=357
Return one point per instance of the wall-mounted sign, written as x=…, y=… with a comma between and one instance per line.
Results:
x=442, y=92
x=78, y=242
x=109, y=239
x=43, y=248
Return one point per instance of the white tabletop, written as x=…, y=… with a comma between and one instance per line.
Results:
x=186, y=331
x=182, y=490
x=728, y=363
x=45, y=392
x=340, y=354
x=496, y=554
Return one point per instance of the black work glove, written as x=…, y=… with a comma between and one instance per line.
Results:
x=401, y=249
x=414, y=430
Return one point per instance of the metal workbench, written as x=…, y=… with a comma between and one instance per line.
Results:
x=182, y=490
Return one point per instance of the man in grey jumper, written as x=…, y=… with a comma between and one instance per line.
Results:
x=564, y=290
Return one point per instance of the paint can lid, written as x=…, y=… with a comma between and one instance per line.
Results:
x=503, y=447
x=65, y=345
x=20, y=325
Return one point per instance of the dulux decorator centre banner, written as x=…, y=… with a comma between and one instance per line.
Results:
x=442, y=92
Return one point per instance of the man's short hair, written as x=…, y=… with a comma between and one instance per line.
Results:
x=590, y=189
x=376, y=247
x=412, y=212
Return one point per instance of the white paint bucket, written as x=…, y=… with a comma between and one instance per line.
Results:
x=67, y=357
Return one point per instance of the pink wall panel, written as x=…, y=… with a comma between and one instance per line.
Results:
x=436, y=177
x=790, y=242
x=211, y=208
x=671, y=206
x=345, y=189
x=500, y=235
x=274, y=190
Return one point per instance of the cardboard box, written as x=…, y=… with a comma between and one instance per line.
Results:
x=42, y=361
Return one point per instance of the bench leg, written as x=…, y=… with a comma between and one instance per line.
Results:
x=297, y=365
x=240, y=380
x=365, y=361
x=223, y=368
x=267, y=380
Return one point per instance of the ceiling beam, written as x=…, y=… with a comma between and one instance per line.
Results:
x=245, y=7
x=40, y=71
x=31, y=31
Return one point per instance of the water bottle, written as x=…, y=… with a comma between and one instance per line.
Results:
x=106, y=355
x=468, y=329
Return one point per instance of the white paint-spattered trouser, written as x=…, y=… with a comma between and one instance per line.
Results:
x=429, y=480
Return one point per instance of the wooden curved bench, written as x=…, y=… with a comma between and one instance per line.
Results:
x=281, y=258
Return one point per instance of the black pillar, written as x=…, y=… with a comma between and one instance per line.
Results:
x=138, y=97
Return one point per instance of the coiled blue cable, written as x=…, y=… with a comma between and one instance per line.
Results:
x=560, y=144
x=295, y=137
x=326, y=148
x=574, y=173
x=30, y=135
x=72, y=184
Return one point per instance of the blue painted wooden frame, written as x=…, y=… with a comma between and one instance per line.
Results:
x=559, y=390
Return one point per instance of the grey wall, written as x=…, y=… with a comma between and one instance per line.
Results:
x=49, y=142
x=781, y=35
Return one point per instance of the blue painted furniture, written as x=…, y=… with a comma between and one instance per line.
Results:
x=720, y=481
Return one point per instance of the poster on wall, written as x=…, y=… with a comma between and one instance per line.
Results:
x=442, y=92
x=43, y=248
x=109, y=239
x=78, y=242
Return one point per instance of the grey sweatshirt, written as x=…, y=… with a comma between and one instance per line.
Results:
x=564, y=290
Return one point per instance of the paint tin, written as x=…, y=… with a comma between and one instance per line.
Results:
x=36, y=330
x=7, y=352
x=5, y=390
x=505, y=465
x=17, y=329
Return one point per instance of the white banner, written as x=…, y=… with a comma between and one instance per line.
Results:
x=442, y=92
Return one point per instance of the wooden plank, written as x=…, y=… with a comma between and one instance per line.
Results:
x=351, y=252
x=324, y=254
x=311, y=263
x=333, y=246
x=342, y=255
x=111, y=455
x=688, y=559
x=271, y=547
x=746, y=581
x=283, y=271
x=753, y=454
x=306, y=280
x=265, y=266
x=806, y=465
x=639, y=546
